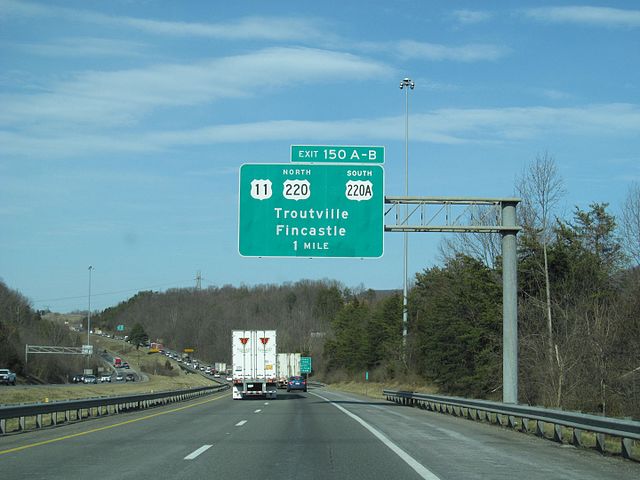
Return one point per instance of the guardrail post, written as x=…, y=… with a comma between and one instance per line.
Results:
x=3, y=426
x=21, y=424
x=600, y=442
x=525, y=425
x=540, y=428
x=626, y=445
x=39, y=420
x=557, y=433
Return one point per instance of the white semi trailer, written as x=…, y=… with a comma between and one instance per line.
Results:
x=288, y=366
x=254, y=360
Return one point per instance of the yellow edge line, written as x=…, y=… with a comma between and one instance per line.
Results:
x=133, y=420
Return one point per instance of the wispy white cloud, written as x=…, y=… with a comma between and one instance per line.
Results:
x=588, y=15
x=261, y=28
x=440, y=126
x=468, y=17
x=463, y=53
x=125, y=96
x=521, y=123
x=264, y=28
x=83, y=47
x=410, y=49
x=552, y=94
x=444, y=126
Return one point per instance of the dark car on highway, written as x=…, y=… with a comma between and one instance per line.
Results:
x=130, y=377
x=297, y=383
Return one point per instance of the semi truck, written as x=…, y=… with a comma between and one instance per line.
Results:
x=220, y=367
x=253, y=356
x=288, y=366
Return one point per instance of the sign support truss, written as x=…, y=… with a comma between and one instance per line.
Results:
x=472, y=215
x=448, y=214
x=84, y=350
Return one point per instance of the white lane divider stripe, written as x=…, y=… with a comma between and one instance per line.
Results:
x=241, y=423
x=257, y=411
x=197, y=452
x=408, y=459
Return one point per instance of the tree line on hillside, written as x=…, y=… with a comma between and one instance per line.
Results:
x=202, y=319
x=20, y=325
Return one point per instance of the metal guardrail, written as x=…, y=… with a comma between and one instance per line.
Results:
x=74, y=410
x=520, y=417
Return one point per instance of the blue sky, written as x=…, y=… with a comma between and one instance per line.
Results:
x=123, y=124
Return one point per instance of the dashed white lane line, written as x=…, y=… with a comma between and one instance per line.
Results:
x=424, y=472
x=197, y=452
x=241, y=423
x=257, y=411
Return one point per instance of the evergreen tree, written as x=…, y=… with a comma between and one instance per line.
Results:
x=348, y=349
x=138, y=336
x=458, y=327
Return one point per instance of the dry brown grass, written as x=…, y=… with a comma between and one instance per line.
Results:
x=374, y=389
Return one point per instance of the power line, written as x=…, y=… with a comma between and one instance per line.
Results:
x=59, y=299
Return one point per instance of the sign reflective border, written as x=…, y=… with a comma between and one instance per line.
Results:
x=288, y=210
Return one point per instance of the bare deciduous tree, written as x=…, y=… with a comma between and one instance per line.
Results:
x=631, y=222
x=485, y=247
x=541, y=188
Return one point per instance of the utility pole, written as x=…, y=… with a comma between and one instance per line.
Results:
x=198, y=280
x=89, y=310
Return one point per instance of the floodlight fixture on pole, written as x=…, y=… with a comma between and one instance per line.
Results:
x=406, y=85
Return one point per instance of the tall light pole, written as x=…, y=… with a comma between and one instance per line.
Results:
x=89, y=311
x=406, y=85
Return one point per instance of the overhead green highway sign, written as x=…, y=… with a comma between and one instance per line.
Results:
x=305, y=364
x=288, y=210
x=336, y=154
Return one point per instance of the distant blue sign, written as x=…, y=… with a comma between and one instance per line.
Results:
x=120, y=328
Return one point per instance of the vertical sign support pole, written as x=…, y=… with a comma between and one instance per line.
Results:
x=509, y=305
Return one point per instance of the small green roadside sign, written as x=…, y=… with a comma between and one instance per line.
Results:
x=305, y=364
x=336, y=154
x=296, y=210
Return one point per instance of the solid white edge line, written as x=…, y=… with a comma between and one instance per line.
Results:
x=197, y=452
x=241, y=423
x=408, y=459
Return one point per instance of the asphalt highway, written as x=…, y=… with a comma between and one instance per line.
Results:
x=320, y=434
